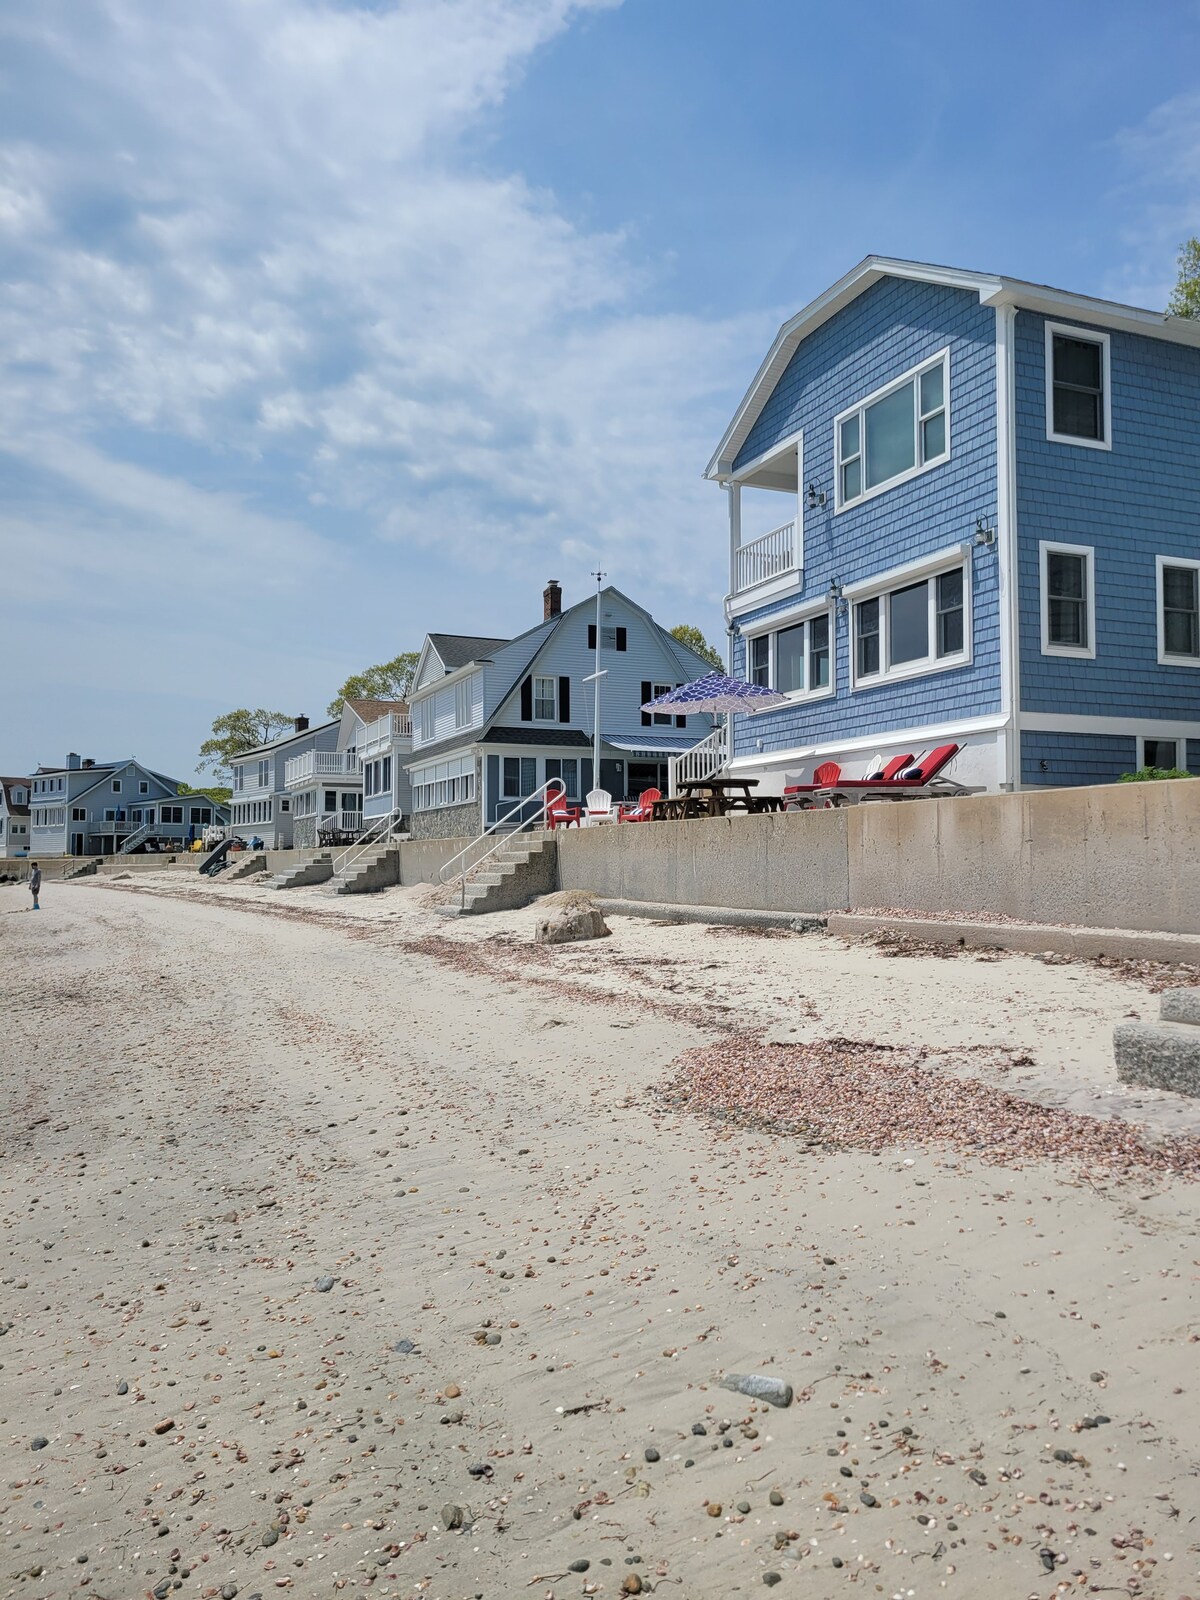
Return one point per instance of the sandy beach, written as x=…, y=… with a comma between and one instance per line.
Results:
x=350, y=1247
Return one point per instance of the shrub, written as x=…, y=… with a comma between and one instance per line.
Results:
x=1153, y=774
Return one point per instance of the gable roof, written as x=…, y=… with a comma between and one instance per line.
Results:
x=8, y=785
x=372, y=710
x=992, y=289
x=456, y=650
x=284, y=738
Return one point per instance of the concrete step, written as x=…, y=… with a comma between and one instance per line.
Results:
x=246, y=866
x=377, y=868
x=513, y=878
x=319, y=869
x=1159, y=1055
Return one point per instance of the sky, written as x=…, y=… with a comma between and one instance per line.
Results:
x=328, y=323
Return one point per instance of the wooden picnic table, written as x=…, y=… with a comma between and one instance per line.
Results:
x=715, y=797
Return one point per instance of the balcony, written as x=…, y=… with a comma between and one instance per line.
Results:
x=771, y=556
x=316, y=767
x=383, y=734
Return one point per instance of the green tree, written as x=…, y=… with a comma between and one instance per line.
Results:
x=1185, y=301
x=210, y=791
x=695, y=640
x=237, y=731
x=391, y=680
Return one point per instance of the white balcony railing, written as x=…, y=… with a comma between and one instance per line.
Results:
x=383, y=732
x=765, y=558
x=315, y=766
x=344, y=822
x=703, y=760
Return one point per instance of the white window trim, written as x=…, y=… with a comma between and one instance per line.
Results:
x=1095, y=337
x=770, y=626
x=861, y=406
x=543, y=677
x=927, y=571
x=1179, y=741
x=1072, y=652
x=1165, y=659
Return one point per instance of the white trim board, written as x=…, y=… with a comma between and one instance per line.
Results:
x=937, y=733
x=1130, y=727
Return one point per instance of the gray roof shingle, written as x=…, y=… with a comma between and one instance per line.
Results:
x=458, y=649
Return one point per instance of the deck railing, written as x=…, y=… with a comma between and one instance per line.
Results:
x=765, y=558
x=702, y=761
x=316, y=765
x=378, y=735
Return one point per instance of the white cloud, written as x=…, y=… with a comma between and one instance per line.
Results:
x=1159, y=187
x=267, y=305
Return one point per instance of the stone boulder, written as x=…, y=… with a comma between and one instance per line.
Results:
x=568, y=925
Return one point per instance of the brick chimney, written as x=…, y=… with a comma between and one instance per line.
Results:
x=301, y=724
x=551, y=600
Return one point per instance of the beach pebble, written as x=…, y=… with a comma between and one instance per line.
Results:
x=452, y=1516
x=324, y=1284
x=39, y=1443
x=579, y=1566
x=775, y=1497
x=772, y=1578
x=404, y=1347
x=759, y=1387
x=652, y=1454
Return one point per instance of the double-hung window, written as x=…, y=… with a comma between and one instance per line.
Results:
x=662, y=718
x=1078, y=388
x=520, y=777
x=895, y=433
x=913, y=627
x=545, y=699
x=1178, y=612
x=463, y=703
x=426, y=718
x=793, y=658
x=1068, y=600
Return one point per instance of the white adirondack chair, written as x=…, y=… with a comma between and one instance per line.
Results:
x=598, y=808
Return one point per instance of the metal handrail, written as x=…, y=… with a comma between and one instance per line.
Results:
x=444, y=875
x=379, y=830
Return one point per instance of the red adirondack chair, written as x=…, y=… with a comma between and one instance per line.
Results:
x=559, y=814
x=642, y=809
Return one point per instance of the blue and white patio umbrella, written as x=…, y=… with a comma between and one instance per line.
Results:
x=715, y=692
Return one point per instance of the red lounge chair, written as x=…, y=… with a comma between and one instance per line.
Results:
x=798, y=796
x=927, y=779
x=558, y=813
x=642, y=809
x=887, y=775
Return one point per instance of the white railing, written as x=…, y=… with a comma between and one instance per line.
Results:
x=765, y=558
x=300, y=772
x=459, y=867
x=342, y=821
x=375, y=830
x=702, y=761
x=131, y=843
x=380, y=734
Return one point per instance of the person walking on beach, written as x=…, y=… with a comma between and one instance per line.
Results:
x=35, y=883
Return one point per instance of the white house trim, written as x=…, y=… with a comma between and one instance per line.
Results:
x=1047, y=547
x=1165, y=660
x=1085, y=336
x=784, y=619
x=1150, y=727
x=909, y=572
x=935, y=733
x=1006, y=538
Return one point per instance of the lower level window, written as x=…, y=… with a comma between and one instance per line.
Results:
x=794, y=659
x=1179, y=607
x=1068, y=600
x=567, y=771
x=444, y=783
x=914, y=627
x=520, y=777
x=1161, y=753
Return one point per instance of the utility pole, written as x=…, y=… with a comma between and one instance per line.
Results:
x=596, y=676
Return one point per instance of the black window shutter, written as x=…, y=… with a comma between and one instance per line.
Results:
x=647, y=691
x=591, y=635
x=564, y=699
x=527, y=700
x=680, y=722
x=622, y=639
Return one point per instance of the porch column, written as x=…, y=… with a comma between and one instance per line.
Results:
x=734, y=491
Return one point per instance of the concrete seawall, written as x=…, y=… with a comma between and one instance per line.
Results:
x=1120, y=855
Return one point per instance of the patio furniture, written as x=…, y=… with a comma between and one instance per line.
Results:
x=559, y=813
x=598, y=808
x=800, y=796
x=642, y=809
x=927, y=779
x=716, y=797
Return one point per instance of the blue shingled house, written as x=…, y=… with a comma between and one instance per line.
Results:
x=988, y=531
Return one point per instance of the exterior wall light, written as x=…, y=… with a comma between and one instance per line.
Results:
x=985, y=534
x=816, y=497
